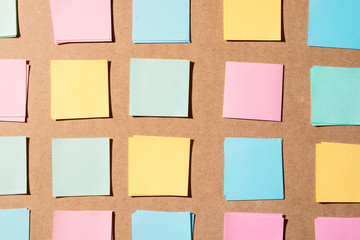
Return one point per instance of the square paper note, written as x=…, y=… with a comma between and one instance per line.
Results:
x=8, y=18
x=14, y=224
x=253, y=91
x=81, y=167
x=329, y=228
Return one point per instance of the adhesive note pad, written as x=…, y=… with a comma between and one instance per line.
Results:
x=334, y=23
x=254, y=226
x=82, y=225
x=79, y=89
x=8, y=18
x=161, y=21
x=81, y=167
x=14, y=224
x=328, y=228
x=158, y=166
x=335, y=96
x=159, y=87
x=252, y=20
x=253, y=91
x=337, y=172
x=253, y=169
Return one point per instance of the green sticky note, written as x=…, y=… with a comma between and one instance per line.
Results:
x=335, y=96
x=13, y=165
x=81, y=167
x=8, y=18
x=159, y=87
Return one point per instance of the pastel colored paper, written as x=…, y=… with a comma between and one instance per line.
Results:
x=81, y=167
x=158, y=166
x=159, y=87
x=334, y=23
x=82, y=225
x=337, y=228
x=8, y=18
x=15, y=224
x=161, y=21
x=335, y=96
x=79, y=89
x=252, y=20
x=253, y=169
x=253, y=91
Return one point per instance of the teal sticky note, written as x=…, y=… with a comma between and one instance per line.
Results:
x=14, y=224
x=334, y=23
x=161, y=21
x=159, y=87
x=8, y=18
x=81, y=166
x=253, y=169
x=13, y=165
x=335, y=96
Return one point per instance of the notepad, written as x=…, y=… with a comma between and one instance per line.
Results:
x=330, y=228
x=8, y=18
x=337, y=172
x=161, y=21
x=253, y=169
x=14, y=224
x=81, y=166
x=159, y=87
x=76, y=225
x=79, y=89
x=334, y=23
x=158, y=166
x=252, y=20
x=335, y=96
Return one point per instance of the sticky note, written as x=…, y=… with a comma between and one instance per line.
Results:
x=252, y=20
x=14, y=224
x=159, y=87
x=161, y=21
x=334, y=23
x=337, y=172
x=158, y=166
x=253, y=91
x=254, y=226
x=329, y=228
x=8, y=18
x=76, y=225
x=81, y=166
x=253, y=169
x=79, y=89
x=335, y=96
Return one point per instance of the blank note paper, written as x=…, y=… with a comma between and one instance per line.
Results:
x=161, y=21
x=79, y=89
x=8, y=18
x=81, y=167
x=253, y=169
x=14, y=224
x=158, y=166
x=82, y=225
x=334, y=23
x=335, y=96
x=329, y=228
x=159, y=87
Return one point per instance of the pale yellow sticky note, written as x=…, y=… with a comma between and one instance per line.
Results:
x=252, y=20
x=337, y=172
x=158, y=166
x=79, y=89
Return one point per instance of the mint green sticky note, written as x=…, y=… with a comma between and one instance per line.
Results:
x=159, y=87
x=8, y=18
x=81, y=166
x=13, y=165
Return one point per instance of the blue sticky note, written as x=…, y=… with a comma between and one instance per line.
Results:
x=14, y=224
x=161, y=21
x=334, y=23
x=253, y=169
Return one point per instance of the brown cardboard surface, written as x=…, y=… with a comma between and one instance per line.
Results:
x=207, y=128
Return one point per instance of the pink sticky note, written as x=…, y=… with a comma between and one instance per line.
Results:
x=253, y=91
x=82, y=225
x=253, y=226
x=337, y=228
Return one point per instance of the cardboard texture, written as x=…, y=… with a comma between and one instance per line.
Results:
x=208, y=52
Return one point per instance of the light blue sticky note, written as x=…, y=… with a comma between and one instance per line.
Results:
x=14, y=224
x=334, y=23
x=335, y=96
x=159, y=87
x=13, y=165
x=81, y=166
x=8, y=18
x=253, y=169
x=161, y=21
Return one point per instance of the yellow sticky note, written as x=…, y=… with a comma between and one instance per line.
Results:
x=337, y=172
x=252, y=20
x=79, y=89
x=158, y=166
